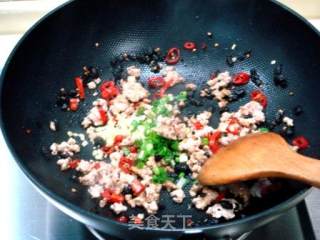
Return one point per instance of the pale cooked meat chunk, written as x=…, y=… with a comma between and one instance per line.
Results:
x=133, y=90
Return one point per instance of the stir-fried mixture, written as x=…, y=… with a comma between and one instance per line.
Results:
x=142, y=144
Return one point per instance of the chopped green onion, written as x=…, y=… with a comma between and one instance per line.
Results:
x=156, y=170
x=205, y=141
x=182, y=182
x=140, y=164
x=181, y=175
x=168, y=159
x=156, y=145
x=164, y=151
x=175, y=145
x=126, y=151
x=182, y=96
x=152, y=144
x=160, y=175
x=149, y=147
x=163, y=111
x=138, y=143
x=166, y=99
x=263, y=130
x=141, y=155
x=159, y=106
x=149, y=121
x=140, y=111
x=170, y=97
x=135, y=124
x=194, y=181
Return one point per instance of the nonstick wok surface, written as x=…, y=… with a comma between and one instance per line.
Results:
x=55, y=50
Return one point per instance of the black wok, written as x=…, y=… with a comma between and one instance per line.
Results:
x=56, y=48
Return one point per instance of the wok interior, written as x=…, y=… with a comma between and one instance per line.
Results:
x=55, y=51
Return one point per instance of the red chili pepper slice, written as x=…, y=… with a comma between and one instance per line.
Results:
x=160, y=93
x=111, y=197
x=137, y=187
x=103, y=116
x=214, y=147
x=189, y=45
x=114, y=91
x=79, y=85
x=220, y=197
x=156, y=82
x=118, y=139
x=74, y=104
x=106, y=194
x=173, y=56
x=116, y=198
x=214, y=136
x=106, y=85
x=73, y=163
x=108, y=90
x=197, y=125
x=122, y=219
x=233, y=126
x=125, y=164
x=301, y=142
x=241, y=78
x=106, y=95
x=163, y=90
x=133, y=149
x=213, y=141
x=259, y=97
x=107, y=150
x=110, y=93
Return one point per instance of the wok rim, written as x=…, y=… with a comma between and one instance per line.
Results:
x=60, y=201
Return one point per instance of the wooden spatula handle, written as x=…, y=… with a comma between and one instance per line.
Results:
x=303, y=169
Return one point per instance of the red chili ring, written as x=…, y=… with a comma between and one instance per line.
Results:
x=173, y=56
x=156, y=81
x=259, y=97
x=106, y=85
x=241, y=78
x=189, y=45
x=300, y=142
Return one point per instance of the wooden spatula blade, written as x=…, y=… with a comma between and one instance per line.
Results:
x=256, y=156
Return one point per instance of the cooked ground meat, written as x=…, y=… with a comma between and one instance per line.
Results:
x=133, y=90
x=127, y=132
x=219, y=88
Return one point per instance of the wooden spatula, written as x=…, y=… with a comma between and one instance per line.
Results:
x=259, y=155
